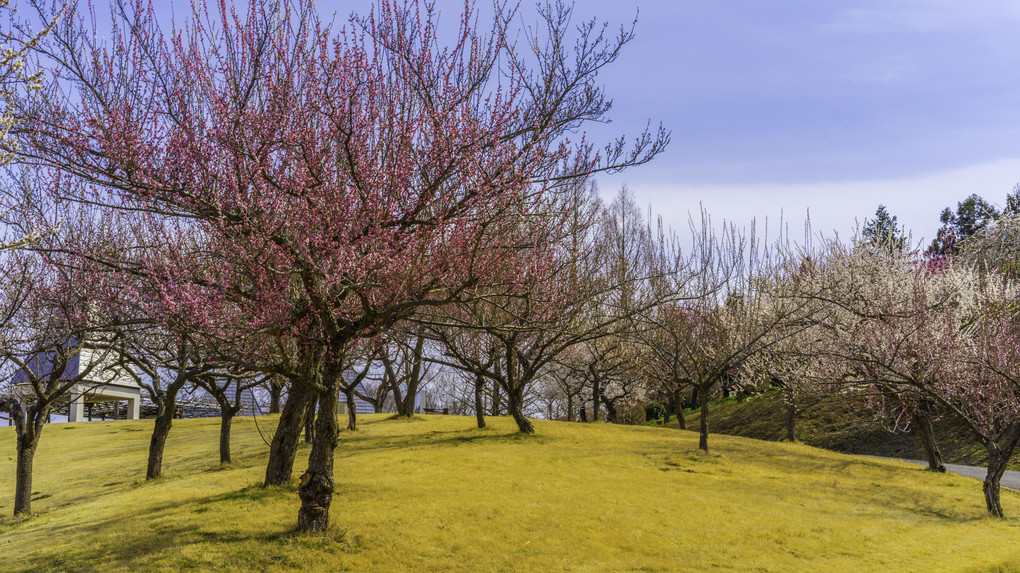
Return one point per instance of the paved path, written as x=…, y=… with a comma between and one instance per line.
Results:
x=1010, y=479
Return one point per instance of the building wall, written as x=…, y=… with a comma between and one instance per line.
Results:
x=360, y=406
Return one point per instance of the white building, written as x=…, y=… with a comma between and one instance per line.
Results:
x=106, y=382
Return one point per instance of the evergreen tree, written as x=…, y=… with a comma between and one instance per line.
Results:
x=883, y=231
x=971, y=215
x=1013, y=202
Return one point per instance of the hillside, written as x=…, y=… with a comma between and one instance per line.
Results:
x=438, y=494
x=838, y=426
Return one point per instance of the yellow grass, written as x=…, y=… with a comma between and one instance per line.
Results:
x=437, y=494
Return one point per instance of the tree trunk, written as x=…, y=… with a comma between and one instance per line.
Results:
x=228, y=410
x=23, y=481
x=999, y=454
x=997, y=462
x=310, y=420
x=479, y=403
x=226, y=419
x=275, y=390
x=28, y=432
x=160, y=430
x=610, y=409
x=352, y=411
x=703, y=439
x=791, y=422
x=398, y=400
x=678, y=401
x=496, y=399
x=515, y=403
x=287, y=436
x=316, y=489
x=595, y=395
x=570, y=407
x=924, y=432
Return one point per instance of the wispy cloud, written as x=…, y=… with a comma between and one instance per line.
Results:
x=922, y=16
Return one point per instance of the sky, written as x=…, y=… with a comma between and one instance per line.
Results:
x=781, y=107
x=833, y=107
x=786, y=107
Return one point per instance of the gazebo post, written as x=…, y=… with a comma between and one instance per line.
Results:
x=76, y=408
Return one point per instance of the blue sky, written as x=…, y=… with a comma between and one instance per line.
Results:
x=789, y=105
x=833, y=106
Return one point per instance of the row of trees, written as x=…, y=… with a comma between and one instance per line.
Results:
x=260, y=193
x=260, y=197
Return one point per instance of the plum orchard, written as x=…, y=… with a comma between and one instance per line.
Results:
x=338, y=178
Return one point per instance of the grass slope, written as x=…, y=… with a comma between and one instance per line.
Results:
x=835, y=424
x=437, y=494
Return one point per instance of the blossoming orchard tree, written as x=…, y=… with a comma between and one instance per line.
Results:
x=724, y=315
x=340, y=177
x=919, y=336
x=885, y=334
x=49, y=321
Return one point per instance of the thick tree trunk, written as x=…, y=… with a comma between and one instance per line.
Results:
x=997, y=462
x=479, y=402
x=316, y=489
x=310, y=420
x=595, y=395
x=398, y=400
x=610, y=409
x=287, y=436
x=352, y=411
x=410, y=397
x=678, y=401
x=703, y=439
x=925, y=433
x=28, y=428
x=226, y=419
x=999, y=454
x=23, y=481
x=570, y=407
x=160, y=430
x=515, y=401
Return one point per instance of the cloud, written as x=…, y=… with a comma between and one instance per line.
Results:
x=833, y=206
x=922, y=16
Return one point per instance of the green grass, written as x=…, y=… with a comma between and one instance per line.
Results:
x=440, y=495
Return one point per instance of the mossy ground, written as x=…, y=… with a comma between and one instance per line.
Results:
x=839, y=425
x=436, y=494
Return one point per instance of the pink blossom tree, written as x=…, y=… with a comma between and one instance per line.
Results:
x=340, y=178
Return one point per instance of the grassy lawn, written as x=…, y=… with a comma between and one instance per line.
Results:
x=438, y=494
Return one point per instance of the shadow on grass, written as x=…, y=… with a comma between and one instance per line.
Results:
x=809, y=475
x=195, y=539
x=360, y=442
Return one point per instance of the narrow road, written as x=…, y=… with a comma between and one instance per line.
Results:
x=1010, y=479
